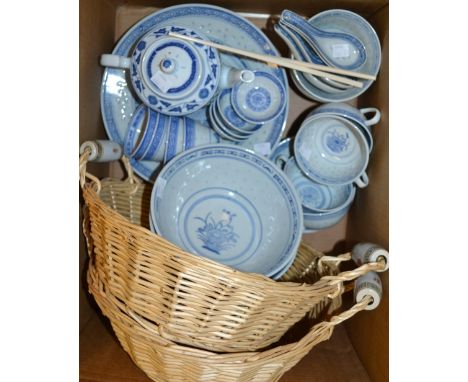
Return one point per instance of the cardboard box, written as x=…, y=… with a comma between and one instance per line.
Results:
x=359, y=349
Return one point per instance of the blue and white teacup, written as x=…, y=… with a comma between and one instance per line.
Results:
x=332, y=150
x=357, y=116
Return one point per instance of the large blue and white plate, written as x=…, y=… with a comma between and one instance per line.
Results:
x=210, y=200
x=118, y=100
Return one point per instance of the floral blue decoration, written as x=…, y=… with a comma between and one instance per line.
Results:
x=337, y=142
x=217, y=236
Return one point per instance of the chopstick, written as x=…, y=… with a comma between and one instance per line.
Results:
x=318, y=70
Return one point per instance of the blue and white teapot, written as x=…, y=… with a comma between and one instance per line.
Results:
x=173, y=76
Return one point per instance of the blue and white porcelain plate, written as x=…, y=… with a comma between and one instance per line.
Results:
x=210, y=200
x=118, y=100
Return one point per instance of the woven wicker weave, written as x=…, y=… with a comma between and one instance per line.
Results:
x=192, y=300
x=165, y=361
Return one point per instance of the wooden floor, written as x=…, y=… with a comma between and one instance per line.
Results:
x=103, y=360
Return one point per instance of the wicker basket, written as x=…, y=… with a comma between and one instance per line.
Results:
x=189, y=299
x=165, y=361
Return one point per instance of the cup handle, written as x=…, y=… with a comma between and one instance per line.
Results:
x=362, y=181
x=281, y=161
x=115, y=61
x=375, y=119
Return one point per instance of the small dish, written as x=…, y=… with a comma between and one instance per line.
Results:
x=218, y=126
x=316, y=197
x=259, y=101
x=230, y=117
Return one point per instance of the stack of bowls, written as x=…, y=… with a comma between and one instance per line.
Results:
x=358, y=117
x=337, y=38
x=327, y=160
x=239, y=112
x=153, y=136
x=324, y=205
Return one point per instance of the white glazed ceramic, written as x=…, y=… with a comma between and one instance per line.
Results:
x=339, y=20
x=298, y=54
x=282, y=153
x=162, y=137
x=309, y=230
x=342, y=50
x=316, y=197
x=220, y=128
x=357, y=116
x=170, y=75
x=260, y=100
x=157, y=132
x=323, y=220
x=211, y=201
x=229, y=76
x=231, y=119
x=332, y=150
x=136, y=129
x=301, y=51
x=348, y=22
x=223, y=26
x=175, y=138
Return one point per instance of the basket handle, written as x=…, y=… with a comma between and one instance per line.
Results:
x=84, y=159
x=323, y=330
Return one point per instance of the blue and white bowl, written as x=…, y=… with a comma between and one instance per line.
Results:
x=153, y=136
x=135, y=132
x=338, y=20
x=341, y=50
x=261, y=100
x=316, y=197
x=211, y=201
x=316, y=221
x=229, y=116
x=332, y=150
x=357, y=116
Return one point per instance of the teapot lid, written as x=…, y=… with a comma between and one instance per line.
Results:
x=173, y=76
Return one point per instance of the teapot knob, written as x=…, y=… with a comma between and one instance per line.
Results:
x=167, y=65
